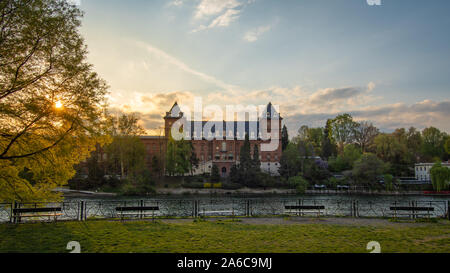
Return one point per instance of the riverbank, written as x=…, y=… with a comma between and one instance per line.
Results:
x=243, y=191
x=184, y=191
x=259, y=235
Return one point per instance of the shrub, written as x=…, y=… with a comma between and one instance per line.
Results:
x=231, y=186
x=193, y=185
x=299, y=183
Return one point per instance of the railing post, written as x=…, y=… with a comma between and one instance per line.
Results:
x=141, y=211
x=12, y=219
x=82, y=214
x=352, y=208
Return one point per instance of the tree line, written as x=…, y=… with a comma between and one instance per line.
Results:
x=360, y=152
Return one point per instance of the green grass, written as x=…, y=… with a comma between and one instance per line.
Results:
x=224, y=236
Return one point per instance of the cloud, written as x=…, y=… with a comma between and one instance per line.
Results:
x=296, y=108
x=331, y=96
x=208, y=8
x=218, y=13
x=176, y=3
x=254, y=34
x=167, y=58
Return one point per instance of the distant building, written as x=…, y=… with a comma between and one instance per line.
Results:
x=422, y=170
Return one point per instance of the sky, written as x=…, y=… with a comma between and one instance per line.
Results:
x=388, y=64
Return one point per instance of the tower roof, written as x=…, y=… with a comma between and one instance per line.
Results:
x=175, y=112
x=270, y=112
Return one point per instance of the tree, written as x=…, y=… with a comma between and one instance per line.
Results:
x=365, y=134
x=126, y=153
x=328, y=146
x=234, y=174
x=389, y=182
x=215, y=175
x=343, y=130
x=284, y=138
x=346, y=160
x=447, y=146
x=178, y=158
x=246, y=162
x=368, y=169
x=193, y=160
x=391, y=148
x=414, y=142
x=299, y=183
x=156, y=167
x=256, y=160
x=51, y=101
x=433, y=143
x=290, y=161
x=440, y=177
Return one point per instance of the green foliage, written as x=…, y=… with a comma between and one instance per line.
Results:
x=365, y=134
x=234, y=174
x=346, y=160
x=328, y=148
x=178, y=157
x=215, y=175
x=299, y=183
x=368, y=169
x=284, y=138
x=343, y=130
x=231, y=186
x=290, y=161
x=51, y=101
x=392, y=148
x=193, y=185
x=433, y=143
x=447, y=145
x=440, y=177
x=256, y=161
x=248, y=173
x=389, y=182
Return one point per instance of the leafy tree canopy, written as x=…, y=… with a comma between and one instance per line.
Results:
x=51, y=101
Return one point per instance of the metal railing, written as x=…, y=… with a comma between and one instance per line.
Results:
x=225, y=207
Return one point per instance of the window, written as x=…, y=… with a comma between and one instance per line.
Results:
x=224, y=146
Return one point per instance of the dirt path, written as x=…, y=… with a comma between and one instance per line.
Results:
x=305, y=220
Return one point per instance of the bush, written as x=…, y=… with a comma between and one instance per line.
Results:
x=231, y=186
x=193, y=185
x=389, y=182
x=299, y=183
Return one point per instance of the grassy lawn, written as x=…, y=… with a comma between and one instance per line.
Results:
x=108, y=236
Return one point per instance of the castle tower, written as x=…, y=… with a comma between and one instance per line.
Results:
x=171, y=117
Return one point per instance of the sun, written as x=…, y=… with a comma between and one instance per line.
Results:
x=58, y=105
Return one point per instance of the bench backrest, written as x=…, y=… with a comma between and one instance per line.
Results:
x=304, y=207
x=136, y=208
x=413, y=208
x=32, y=210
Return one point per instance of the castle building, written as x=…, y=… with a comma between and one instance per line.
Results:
x=223, y=151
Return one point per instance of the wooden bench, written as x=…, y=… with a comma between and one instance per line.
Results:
x=19, y=213
x=301, y=210
x=411, y=211
x=136, y=211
